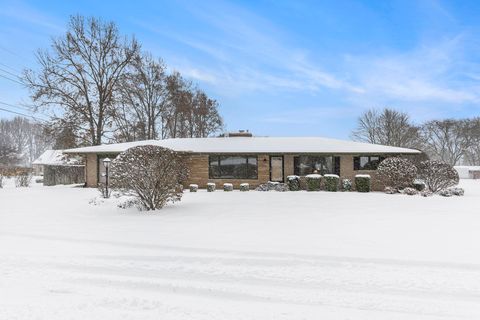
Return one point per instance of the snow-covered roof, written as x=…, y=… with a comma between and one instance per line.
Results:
x=57, y=158
x=51, y=157
x=252, y=145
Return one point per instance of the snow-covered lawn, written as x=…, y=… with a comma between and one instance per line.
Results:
x=252, y=255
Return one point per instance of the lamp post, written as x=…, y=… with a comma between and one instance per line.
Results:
x=106, y=164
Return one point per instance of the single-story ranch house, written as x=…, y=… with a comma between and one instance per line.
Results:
x=239, y=158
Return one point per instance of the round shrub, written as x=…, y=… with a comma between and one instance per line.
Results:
x=437, y=175
x=193, y=187
x=397, y=173
x=313, y=182
x=244, y=187
x=331, y=182
x=152, y=174
x=227, y=187
x=363, y=182
x=293, y=183
x=211, y=186
x=347, y=185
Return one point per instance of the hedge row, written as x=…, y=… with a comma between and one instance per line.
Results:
x=313, y=182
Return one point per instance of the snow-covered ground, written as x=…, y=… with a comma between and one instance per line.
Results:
x=255, y=255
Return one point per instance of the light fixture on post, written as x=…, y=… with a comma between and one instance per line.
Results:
x=106, y=164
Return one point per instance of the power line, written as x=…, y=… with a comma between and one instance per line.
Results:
x=6, y=66
x=26, y=108
x=10, y=73
x=24, y=115
x=1, y=75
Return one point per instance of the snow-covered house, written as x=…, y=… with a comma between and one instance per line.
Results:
x=57, y=167
x=468, y=172
x=49, y=157
x=239, y=158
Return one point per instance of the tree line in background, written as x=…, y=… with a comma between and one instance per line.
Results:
x=21, y=141
x=100, y=87
x=453, y=141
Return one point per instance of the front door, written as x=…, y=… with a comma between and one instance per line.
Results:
x=276, y=168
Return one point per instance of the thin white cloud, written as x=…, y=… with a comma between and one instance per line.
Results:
x=431, y=72
x=250, y=53
x=27, y=14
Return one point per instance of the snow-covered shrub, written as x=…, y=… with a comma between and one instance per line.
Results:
x=410, y=191
x=227, y=187
x=1, y=180
x=331, y=182
x=347, y=185
x=426, y=193
x=313, y=182
x=244, y=187
x=363, y=182
x=397, y=173
x=211, y=186
x=153, y=174
x=23, y=179
x=390, y=190
x=281, y=187
x=445, y=193
x=130, y=203
x=193, y=187
x=272, y=186
x=419, y=185
x=293, y=183
x=437, y=175
x=457, y=191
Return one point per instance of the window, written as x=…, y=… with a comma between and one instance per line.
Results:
x=233, y=167
x=367, y=162
x=316, y=164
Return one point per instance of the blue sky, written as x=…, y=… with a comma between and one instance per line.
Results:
x=284, y=68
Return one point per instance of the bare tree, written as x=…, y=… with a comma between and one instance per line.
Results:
x=143, y=99
x=24, y=138
x=446, y=140
x=81, y=74
x=388, y=127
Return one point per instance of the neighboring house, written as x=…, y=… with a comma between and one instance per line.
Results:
x=59, y=168
x=468, y=172
x=256, y=160
x=49, y=157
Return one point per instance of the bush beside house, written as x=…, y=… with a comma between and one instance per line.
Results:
x=331, y=182
x=313, y=182
x=363, y=182
x=293, y=183
x=396, y=173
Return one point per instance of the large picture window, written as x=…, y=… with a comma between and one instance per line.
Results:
x=367, y=162
x=316, y=164
x=233, y=167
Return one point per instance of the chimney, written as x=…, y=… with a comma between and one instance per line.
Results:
x=239, y=133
